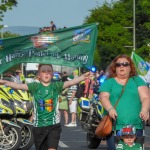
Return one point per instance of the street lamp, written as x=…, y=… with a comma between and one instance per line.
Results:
x=5, y=26
x=134, y=26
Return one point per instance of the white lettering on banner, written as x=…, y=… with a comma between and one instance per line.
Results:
x=84, y=59
x=35, y=53
x=0, y=61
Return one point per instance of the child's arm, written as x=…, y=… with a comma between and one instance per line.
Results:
x=14, y=85
x=76, y=80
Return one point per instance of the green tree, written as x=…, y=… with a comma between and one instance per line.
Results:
x=6, y=5
x=113, y=36
x=143, y=28
x=8, y=34
x=11, y=35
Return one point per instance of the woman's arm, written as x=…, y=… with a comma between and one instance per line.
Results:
x=14, y=85
x=104, y=98
x=145, y=100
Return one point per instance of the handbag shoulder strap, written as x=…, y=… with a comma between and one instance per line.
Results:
x=120, y=95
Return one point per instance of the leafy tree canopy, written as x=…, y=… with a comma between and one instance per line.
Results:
x=115, y=34
x=6, y=5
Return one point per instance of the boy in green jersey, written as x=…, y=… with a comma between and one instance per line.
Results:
x=128, y=136
x=46, y=120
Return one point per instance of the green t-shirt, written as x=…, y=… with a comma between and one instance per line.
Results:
x=129, y=106
x=122, y=146
x=45, y=102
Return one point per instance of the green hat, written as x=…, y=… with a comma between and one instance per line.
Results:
x=70, y=77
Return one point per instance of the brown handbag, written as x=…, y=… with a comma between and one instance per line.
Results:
x=104, y=127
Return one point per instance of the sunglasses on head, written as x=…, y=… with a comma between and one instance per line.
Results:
x=124, y=64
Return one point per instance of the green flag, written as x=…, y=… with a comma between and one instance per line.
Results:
x=141, y=66
x=67, y=47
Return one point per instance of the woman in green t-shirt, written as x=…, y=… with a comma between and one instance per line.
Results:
x=133, y=106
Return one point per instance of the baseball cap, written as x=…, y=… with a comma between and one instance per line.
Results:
x=128, y=130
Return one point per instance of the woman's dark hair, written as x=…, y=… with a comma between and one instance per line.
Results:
x=112, y=67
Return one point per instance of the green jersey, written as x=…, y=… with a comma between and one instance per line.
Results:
x=123, y=146
x=129, y=106
x=45, y=103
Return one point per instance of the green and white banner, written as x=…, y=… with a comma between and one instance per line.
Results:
x=142, y=67
x=67, y=47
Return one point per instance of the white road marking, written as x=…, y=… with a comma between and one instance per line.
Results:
x=61, y=144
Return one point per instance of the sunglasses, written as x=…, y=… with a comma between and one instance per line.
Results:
x=124, y=64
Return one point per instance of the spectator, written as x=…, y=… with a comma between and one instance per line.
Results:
x=72, y=100
x=97, y=74
x=17, y=74
x=134, y=104
x=53, y=26
x=128, y=136
x=63, y=105
x=64, y=76
x=20, y=76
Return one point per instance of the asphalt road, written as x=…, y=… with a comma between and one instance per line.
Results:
x=74, y=138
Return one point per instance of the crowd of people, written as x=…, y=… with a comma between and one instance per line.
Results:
x=52, y=99
x=68, y=102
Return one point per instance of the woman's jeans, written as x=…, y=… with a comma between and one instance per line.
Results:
x=111, y=140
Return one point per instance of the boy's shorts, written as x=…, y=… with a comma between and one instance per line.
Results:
x=46, y=137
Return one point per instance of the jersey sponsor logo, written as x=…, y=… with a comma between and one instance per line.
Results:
x=46, y=105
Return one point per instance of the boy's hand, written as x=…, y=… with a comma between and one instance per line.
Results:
x=87, y=74
x=1, y=82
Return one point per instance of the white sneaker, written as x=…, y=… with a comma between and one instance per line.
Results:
x=72, y=124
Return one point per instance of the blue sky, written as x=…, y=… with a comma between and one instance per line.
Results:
x=39, y=13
